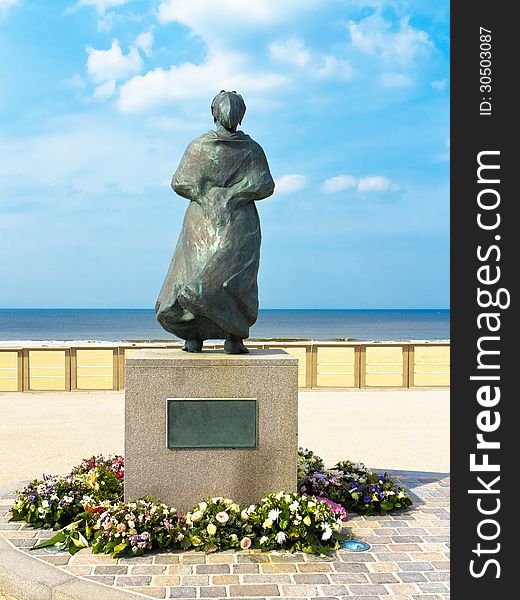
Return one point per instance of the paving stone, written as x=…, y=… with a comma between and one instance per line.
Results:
x=252, y=558
x=183, y=592
x=402, y=589
x=311, y=578
x=438, y=576
x=148, y=570
x=314, y=567
x=285, y=558
x=415, y=566
x=382, y=578
x=180, y=569
x=212, y=569
x=225, y=579
x=333, y=590
x=242, y=569
x=348, y=578
x=357, y=557
x=304, y=591
x=110, y=570
x=248, y=591
x=133, y=580
x=190, y=559
x=166, y=580
x=195, y=580
x=213, y=591
x=411, y=577
x=354, y=567
x=219, y=558
x=279, y=568
x=166, y=559
x=267, y=578
x=57, y=561
x=368, y=590
x=433, y=588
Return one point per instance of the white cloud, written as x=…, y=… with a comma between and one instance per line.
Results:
x=105, y=90
x=6, y=5
x=376, y=183
x=292, y=52
x=335, y=67
x=339, y=183
x=373, y=183
x=101, y=6
x=394, y=80
x=189, y=81
x=212, y=19
x=287, y=184
x=104, y=65
x=374, y=36
x=439, y=84
x=144, y=42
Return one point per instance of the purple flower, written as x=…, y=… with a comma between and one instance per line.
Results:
x=366, y=499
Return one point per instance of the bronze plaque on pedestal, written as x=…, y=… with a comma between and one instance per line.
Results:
x=211, y=423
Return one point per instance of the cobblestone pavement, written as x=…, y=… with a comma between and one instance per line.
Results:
x=409, y=559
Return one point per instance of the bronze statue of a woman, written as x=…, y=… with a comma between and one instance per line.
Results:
x=210, y=291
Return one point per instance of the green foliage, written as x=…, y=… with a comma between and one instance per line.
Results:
x=356, y=488
x=308, y=463
x=295, y=523
x=216, y=524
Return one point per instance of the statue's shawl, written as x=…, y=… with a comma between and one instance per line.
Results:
x=211, y=284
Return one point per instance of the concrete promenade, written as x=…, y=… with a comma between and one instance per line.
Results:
x=405, y=430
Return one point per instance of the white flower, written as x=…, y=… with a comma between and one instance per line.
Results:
x=251, y=508
x=196, y=516
x=212, y=529
x=280, y=537
x=279, y=495
x=274, y=514
x=287, y=498
x=45, y=503
x=203, y=506
x=131, y=524
x=263, y=540
x=267, y=523
x=234, y=507
x=245, y=515
x=327, y=533
x=294, y=506
x=222, y=517
x=401, y=494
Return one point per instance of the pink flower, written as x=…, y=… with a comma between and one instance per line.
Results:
x=222, y=517
x=121, y=527
x=245, y=543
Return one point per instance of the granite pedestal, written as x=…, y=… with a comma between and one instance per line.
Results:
x=182, y=477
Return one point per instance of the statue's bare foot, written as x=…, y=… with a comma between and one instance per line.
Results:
x=235, y=346
x=192, y=346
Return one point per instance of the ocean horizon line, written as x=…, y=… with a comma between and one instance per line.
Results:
x=260, y=309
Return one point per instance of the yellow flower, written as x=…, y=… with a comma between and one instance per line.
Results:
x=211, y=529
x=196, y=541
x=307, y=520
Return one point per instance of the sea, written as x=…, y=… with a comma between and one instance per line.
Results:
x=138, y=325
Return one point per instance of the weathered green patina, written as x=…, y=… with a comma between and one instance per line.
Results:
x=210, y=291
x=211, y=423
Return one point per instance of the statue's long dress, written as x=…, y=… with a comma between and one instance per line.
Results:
x=210, y=291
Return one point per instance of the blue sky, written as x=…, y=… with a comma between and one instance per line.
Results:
x=350, y=100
